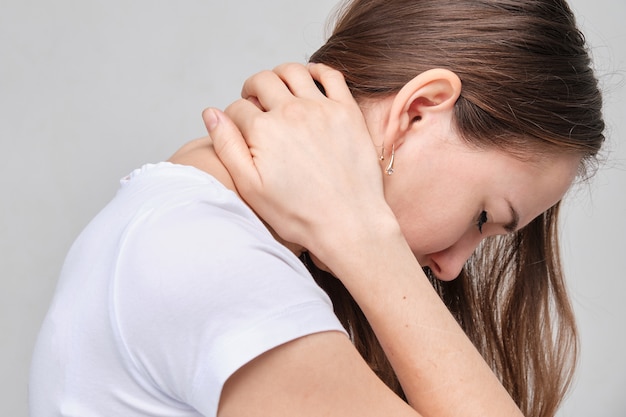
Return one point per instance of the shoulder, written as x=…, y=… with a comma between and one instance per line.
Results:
x=195, y=235
x=201, y=287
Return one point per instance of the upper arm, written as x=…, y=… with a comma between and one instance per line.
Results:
x=316, y=375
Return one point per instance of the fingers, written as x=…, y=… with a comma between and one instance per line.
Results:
x=333, y=82
x=247, y=116
x=267, y=89
x=271, y=88
x=299, y=81
x=231, y=148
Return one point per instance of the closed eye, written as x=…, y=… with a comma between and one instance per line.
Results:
x=482, y=219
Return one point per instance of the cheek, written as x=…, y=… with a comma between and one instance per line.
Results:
x=438, y=210
x=432, y=231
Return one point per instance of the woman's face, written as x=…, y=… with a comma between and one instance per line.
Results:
x=449, y=196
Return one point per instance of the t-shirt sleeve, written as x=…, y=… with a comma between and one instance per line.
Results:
x=200, y=291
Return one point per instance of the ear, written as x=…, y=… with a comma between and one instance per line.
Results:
x=430, y=93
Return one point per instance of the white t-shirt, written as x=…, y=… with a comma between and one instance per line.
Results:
x=168, y=291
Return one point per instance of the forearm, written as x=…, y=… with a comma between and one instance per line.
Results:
x=319, y=185
x=441, y=372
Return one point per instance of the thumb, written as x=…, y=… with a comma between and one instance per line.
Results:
x=231, y=147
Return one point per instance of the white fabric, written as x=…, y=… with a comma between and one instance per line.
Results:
x=167, y=292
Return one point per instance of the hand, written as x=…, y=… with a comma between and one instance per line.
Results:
x=308, y=167
x=304, y=161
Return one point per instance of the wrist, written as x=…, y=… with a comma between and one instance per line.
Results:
x=358, y=243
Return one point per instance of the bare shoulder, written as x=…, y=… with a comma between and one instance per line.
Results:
x=200, y=154
x=192, y=150
x=317, y=375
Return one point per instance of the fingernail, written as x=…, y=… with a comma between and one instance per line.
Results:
x=211, y=119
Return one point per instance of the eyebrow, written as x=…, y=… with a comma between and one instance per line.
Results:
x=514, y=223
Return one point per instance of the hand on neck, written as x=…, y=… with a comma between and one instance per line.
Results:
x=199, y=153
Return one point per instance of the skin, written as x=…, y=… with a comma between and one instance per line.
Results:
x=442, y=185
x=371, y=235
x=430, y=159
x=443, y=236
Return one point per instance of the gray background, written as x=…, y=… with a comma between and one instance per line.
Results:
x=90, y=90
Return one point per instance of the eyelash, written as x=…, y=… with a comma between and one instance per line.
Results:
x=482, y=219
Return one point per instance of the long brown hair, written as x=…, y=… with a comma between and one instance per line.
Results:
x=528, y=89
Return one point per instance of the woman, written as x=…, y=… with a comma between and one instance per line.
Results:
x=473, y=119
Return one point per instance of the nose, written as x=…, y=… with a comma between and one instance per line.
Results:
x=447, y=264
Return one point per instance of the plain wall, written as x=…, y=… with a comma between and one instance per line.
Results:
x=90, y=90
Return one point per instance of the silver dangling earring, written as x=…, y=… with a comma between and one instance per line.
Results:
x=389, y=169
x=382, y=153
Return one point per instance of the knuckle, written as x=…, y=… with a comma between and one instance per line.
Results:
x=251, y=84
x=234, y=106
x=289, y=68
